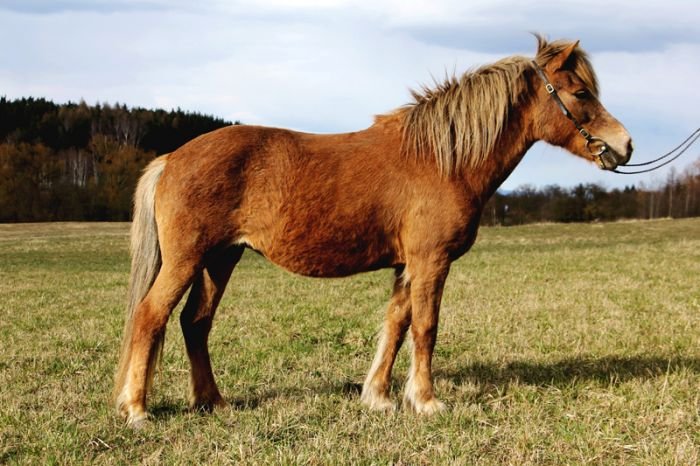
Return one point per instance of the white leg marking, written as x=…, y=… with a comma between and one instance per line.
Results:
x=371, y=396
x=411, y=399
x=135, y=418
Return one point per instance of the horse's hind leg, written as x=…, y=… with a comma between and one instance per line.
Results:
x=375, y=392
x=196, y=321
x=148, y=329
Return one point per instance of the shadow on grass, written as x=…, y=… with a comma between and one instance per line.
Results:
x=607, y=369
x=346, y=389
x=165, y=409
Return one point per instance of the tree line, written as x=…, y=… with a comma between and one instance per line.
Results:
x=677, y=196
x=81, y=162
x=76, y=161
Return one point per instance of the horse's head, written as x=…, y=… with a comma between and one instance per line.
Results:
x=567, y=110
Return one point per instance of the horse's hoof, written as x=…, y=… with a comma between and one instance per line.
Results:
x=208, y=406
x=426, y=408
x=377, y=402
x=137, y=422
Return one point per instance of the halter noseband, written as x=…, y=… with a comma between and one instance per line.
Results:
x=603, y=153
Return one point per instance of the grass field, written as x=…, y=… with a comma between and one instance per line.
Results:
x=558, y=344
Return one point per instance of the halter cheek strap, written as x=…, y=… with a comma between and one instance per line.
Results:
x=602, y=153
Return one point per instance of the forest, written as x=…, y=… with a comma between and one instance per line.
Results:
x=78, y=162
x=676, y=197
x=81, y=162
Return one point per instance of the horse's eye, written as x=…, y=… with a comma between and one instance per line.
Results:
x=582, y=94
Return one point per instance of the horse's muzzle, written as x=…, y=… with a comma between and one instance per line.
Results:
x=610, y=159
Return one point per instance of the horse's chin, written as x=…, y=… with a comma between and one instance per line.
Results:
x=610, y=160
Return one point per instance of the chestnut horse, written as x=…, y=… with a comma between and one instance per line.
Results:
x=405, y=193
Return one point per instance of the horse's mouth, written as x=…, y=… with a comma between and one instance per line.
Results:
x=609, y=160
x=606, y=156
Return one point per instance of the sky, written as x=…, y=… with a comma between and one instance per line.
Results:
x=330, y=66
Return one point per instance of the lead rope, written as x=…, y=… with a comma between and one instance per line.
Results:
x=682, y=148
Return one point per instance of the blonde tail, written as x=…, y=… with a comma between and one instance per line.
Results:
x=145, y=265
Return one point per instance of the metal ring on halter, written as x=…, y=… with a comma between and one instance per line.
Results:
x=606, y=159
x=603, y=146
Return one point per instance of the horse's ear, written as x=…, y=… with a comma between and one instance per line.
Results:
x=559, y=60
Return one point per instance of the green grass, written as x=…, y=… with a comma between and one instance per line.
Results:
x=558, y=344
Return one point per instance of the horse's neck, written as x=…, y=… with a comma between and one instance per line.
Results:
x=514, y=142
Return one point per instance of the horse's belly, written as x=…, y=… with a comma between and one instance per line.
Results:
x=334, y=256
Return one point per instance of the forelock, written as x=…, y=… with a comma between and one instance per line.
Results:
x=578, y=62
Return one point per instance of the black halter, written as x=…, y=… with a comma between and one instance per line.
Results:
x=603, y=153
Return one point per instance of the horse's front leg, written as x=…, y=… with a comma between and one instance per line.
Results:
x=375, y=391
x=427, y=281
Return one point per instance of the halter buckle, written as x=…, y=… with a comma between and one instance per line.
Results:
x=550, y=88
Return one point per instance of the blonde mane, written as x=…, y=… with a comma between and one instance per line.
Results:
x=460, y=120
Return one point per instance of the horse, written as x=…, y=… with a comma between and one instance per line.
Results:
x=405, y=193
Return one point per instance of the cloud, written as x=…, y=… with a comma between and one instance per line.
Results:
x=500, y=26
x=653, y=84
x=42, y=7
x=507, y=35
